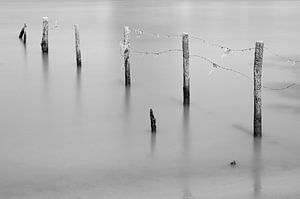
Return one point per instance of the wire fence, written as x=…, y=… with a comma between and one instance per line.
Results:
x=226, y=50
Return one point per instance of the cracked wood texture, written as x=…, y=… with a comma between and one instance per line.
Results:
x=77, y=45
x=186, y=72
x=258, y=62
x=126, y=56
x=44, y=43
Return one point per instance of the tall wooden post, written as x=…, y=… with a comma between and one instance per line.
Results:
x=258, y=62
x=186, y=73
x=77, y=45
x=44, y=43
x=126, y=56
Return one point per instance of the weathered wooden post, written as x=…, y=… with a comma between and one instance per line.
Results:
x=126, y=55
x=23, y=33
x=152, y=121
x=186, y=74
x=77, y=45
x=44, y=43
x=258, y=61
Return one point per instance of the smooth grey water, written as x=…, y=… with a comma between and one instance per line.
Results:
x=81, y=134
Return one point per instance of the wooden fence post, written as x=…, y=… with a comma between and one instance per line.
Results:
x=126, y=55
x=77, y=46
x=44, y=43
x=258, y=62
x=152, y=121
x=23, y=33
x=186, y=74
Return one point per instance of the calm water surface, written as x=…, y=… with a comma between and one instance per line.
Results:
x=80, y=134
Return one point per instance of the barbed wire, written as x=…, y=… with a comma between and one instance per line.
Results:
x=214, y=65
x=289, y=60
x=282, y=88
x=155, y=52
x=139, y=32
x=227, y=50
x=53, y=24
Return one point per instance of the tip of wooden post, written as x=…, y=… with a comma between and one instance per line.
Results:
x=126, y=29
x=45, y=18
x=259, y=44
x=185, y=33
x=76, y=25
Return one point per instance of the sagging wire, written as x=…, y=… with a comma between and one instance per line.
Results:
x=288, y=60
x=53, y=25
x=214, y=65
x=155, y=52
x=226, y=50
x=139, y=32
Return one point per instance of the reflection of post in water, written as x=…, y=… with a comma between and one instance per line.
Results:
x=126, y=112
x=24, y=47
x=187, y=193
x=257, y=166
x=78, y=87
x=45, y=61
x=78, y=81
x=126, y=119
x=127, y=101
x=185, y=159
x=78, y=104
x=186, y=129
x=153, y=143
